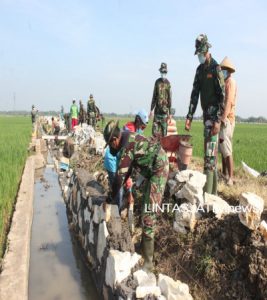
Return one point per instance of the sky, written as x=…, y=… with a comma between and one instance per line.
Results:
x=52, y=51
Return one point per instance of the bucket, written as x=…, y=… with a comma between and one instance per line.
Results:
x=171, y=142
x=185, y=152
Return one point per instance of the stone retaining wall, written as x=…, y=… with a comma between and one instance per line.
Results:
x=106, y=242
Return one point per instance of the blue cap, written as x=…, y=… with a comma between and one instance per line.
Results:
x=143, y=116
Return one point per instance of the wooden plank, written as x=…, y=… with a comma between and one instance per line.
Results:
x=52, y=137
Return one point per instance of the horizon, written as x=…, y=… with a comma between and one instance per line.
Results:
x=52, y=52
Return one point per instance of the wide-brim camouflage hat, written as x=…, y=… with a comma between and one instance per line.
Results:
x=202, y=45
x=109, y=130
x=227, y=64
x=163, y=68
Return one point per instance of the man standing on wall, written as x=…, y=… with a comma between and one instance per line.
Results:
x=33, y=116
x=161, y=103
x=82, y=113
x=228, y=121
x=74, y=112
x=209, y=84
x=91, y=112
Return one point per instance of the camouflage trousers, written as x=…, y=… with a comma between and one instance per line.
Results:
x=210, y=158
x=82, y=118
x=210, y=147
x=92, y=121
x=159, y=127
x=153, y=192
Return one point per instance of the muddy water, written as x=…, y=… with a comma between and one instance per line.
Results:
x=57, y=269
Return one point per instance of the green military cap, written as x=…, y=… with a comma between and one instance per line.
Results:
x=109, y=130
x=163, y=68
x=202, y=45
x=91, y=96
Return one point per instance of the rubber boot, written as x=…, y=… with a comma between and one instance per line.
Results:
x=148, y=252
x=215, y=182
x=208, y=188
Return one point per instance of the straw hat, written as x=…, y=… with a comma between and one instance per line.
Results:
x=227, y=64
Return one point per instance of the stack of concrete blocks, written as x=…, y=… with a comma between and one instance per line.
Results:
x=187, y=186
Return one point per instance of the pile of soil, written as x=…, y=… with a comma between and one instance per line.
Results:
x=83, y=159
x=221, y=259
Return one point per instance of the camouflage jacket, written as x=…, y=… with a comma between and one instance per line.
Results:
x=91, y=107
x=33, y=115
x=82, y=112
x=139, y=153
x=162, y=97
x=209, y=84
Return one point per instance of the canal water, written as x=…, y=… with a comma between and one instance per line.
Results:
x=57, y=268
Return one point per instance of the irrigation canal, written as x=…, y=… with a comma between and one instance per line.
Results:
x=57, y=268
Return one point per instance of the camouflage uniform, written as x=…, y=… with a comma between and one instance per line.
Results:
x=91, y=112
x=82, y=114
x=209, y=83
x=161, y=102
x=33, y=116
x=150, y=160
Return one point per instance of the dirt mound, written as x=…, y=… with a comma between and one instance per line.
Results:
x=83, y=159
x=221, y=259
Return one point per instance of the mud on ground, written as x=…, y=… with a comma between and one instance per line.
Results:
x=221, y=259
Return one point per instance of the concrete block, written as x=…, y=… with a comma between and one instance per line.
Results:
x=173, y=290
x=143, y=291
x=194, y=176
x=80, y=220
x=263, y=229
x=96, y=214
x=119, y=265
x=147, y=284
x=112, y=211
x=217, y=205
x=87, y=215
x=39, y=161
x=91, y=232
x=102, y=240
x=251, y=209
x=186, y=218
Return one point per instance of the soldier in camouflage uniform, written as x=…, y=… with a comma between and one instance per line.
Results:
x=82, y=113
x=151, y=161
x=161, y=103
x=209, y=83
x=91, y=111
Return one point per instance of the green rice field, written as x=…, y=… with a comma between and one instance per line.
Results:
x=15, y=133
x=249, y=143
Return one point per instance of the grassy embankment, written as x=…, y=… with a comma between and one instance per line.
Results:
x=15, y=133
